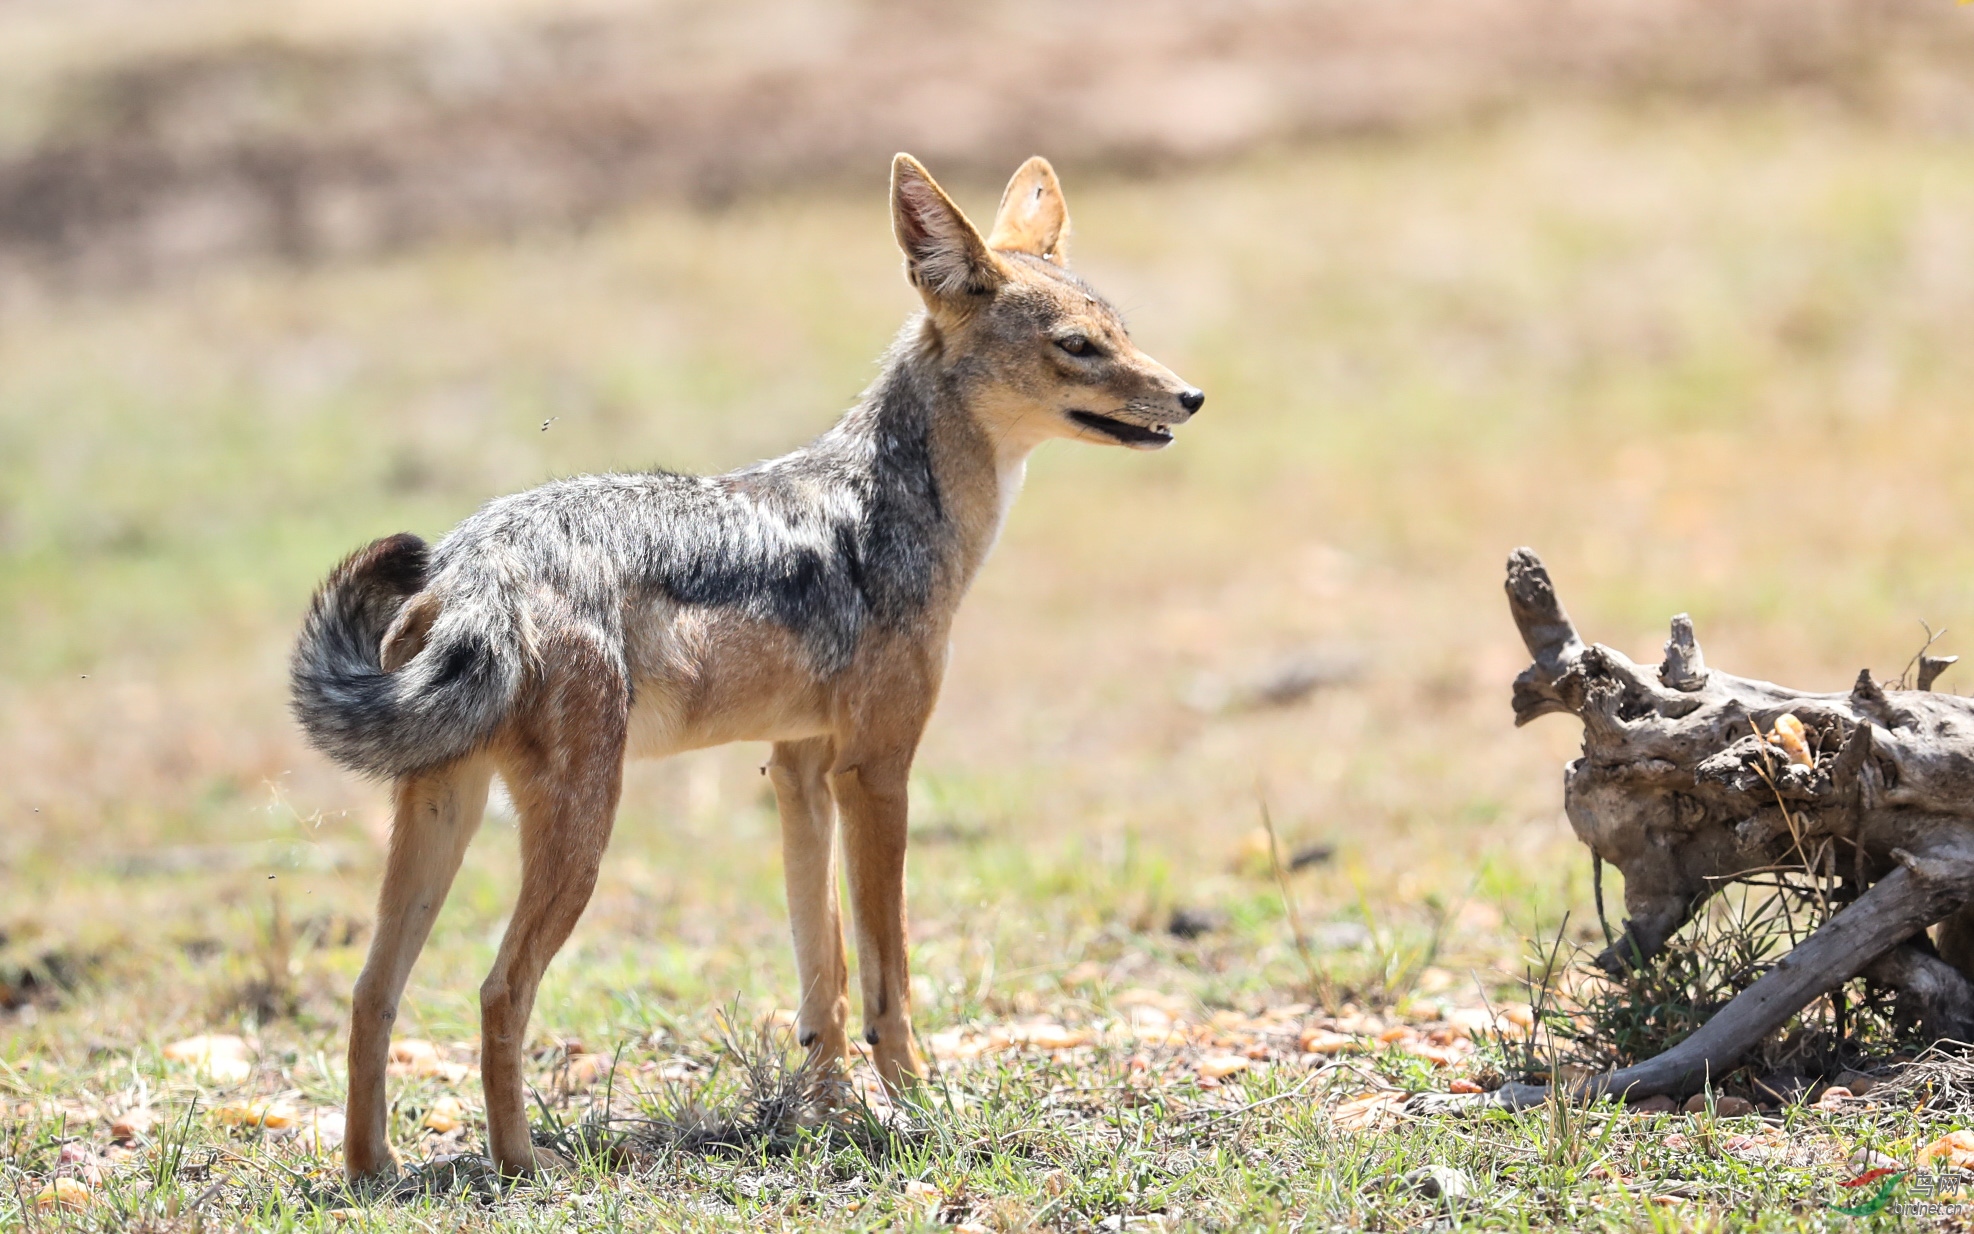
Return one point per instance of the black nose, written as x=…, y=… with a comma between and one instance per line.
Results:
x=1192, y=400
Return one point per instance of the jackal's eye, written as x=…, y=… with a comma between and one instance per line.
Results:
x=1076, y=345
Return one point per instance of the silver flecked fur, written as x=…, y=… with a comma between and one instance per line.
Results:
x=844, y=534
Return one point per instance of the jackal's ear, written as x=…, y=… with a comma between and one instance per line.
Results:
x=1033, y=217
x=945, y=258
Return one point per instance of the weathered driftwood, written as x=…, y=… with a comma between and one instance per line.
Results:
x=1684, y=784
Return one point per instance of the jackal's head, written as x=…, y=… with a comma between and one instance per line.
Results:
x=1040, y=354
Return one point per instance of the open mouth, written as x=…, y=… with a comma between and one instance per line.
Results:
x=1143, y=436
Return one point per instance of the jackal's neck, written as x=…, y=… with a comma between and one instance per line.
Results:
x=926, y=441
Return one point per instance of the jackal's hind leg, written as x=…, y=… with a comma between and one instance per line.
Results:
x=808, y=845
x=565, y=771
x=437, y=813
x=871, y=794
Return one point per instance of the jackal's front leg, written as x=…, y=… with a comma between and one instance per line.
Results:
x=871, y=795
x=800, y=770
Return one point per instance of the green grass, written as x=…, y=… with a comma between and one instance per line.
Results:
x=1710, y=362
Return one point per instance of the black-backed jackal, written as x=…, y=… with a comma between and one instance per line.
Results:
x=805, y=602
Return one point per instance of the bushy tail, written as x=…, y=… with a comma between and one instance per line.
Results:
x=440, y=705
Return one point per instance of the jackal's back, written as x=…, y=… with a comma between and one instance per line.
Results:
x=843, y=535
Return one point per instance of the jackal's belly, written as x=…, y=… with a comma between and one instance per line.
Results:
x=704, y=678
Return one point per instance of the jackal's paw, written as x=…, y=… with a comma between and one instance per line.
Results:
x=538, y=1162
x=372, y=1184
x=548, y=1161
x=901, y=1070
x=450, y=1175
x=369, y=1172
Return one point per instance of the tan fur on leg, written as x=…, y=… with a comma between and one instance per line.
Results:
x=808, y=843
x=564, y=767
x=437, y=814
x=871, y=795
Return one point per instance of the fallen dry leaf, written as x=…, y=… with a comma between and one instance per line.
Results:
x=1323, y=1041
x=1048, y=1036
x=1464, y=1086
x=958, y=1044
x=1220, y=1066
x=65, y=1193
x=1368, y=1111
x=1438, y=1056
x=322, y=1130
x=199, y=1049
x=273, y=1115
x=221, y=1057
x=445, y=1116
x=1470, y=1021
x=132, y=1124
x=228, y=1070
x=1956, y=1148
x=416, y=1057
x=78, y=1160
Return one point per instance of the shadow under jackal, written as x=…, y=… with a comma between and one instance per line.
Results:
x=805, y=601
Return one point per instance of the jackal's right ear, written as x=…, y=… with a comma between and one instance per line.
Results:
x=945, y=258
x=1033, y=217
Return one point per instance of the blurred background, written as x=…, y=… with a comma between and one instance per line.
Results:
x=1677, y=291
